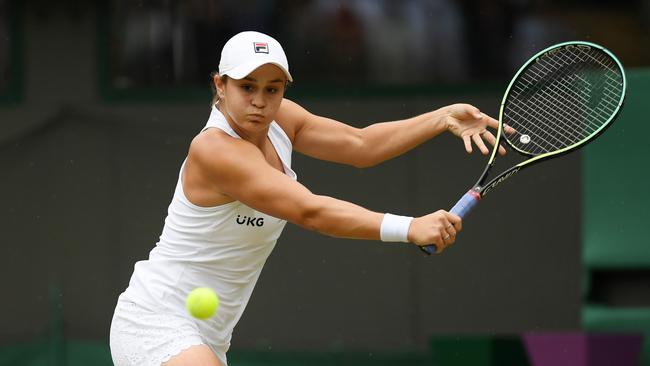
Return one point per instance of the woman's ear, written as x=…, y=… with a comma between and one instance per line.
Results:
x=219, y=85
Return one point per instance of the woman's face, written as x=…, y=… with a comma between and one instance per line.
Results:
x=252, y=102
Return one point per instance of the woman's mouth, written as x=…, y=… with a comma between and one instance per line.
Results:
x=255, y=117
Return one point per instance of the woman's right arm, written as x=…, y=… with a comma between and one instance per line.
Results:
x=236, y=168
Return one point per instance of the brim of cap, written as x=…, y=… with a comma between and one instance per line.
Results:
x=242, y=71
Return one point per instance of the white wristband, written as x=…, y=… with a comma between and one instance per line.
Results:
x=395, y=228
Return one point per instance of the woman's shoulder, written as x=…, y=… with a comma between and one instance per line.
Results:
x=213, y=144
x=291, y=116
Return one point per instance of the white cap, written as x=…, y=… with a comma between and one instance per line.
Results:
x=246, y=51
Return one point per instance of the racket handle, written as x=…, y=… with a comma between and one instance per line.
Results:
x=461, y=208
x=466, y=204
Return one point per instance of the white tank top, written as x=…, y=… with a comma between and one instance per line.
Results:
x=222, y=247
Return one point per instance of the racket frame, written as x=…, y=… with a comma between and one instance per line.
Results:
x=481, y=188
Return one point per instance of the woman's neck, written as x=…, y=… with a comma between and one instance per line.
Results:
x=257, y=138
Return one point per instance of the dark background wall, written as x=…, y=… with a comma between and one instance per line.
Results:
x=87, y=179
x=87, y=194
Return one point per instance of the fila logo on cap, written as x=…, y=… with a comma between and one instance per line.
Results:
x=261, y=47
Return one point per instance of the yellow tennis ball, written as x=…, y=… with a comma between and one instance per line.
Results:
x=202, y=302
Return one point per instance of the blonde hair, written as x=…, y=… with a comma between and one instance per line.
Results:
x=215, y=93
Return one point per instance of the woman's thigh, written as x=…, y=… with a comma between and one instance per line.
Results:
x=200, y=355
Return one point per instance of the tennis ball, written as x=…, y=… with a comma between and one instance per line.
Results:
x=202, y=302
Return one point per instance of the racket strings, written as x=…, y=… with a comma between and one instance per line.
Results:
x=546, y=130
x=543, y=110
x=583, y=94
x=613, y=81
x=546, y=100
x=564, y=98
x=549, y=99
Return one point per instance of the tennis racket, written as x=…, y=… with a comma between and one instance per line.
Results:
x=561, y=99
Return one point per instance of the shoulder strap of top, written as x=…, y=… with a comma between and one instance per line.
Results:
x=217, y=120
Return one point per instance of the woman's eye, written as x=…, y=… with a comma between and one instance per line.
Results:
x=273, y=90
x=247, y=87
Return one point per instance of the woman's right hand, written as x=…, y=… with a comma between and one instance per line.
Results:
x=439, y=228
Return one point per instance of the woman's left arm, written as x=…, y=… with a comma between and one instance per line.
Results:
x=327, y=139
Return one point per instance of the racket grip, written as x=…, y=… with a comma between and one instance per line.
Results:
x=466, y=204
x=461, y=208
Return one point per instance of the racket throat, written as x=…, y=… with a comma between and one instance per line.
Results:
x=476, y=193
x=483, y=190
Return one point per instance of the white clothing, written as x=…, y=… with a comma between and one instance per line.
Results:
x=141, y=336
x=222, y=247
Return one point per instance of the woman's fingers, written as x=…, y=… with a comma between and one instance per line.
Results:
x=451, y=230
x=478, y=141
x=468, y=144
x=508, y=130
x=479, y=138
x=487, y=135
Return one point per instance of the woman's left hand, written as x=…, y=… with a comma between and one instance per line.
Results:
x=468, y=123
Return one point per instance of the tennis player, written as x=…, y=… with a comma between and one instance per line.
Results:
x=236, y=191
